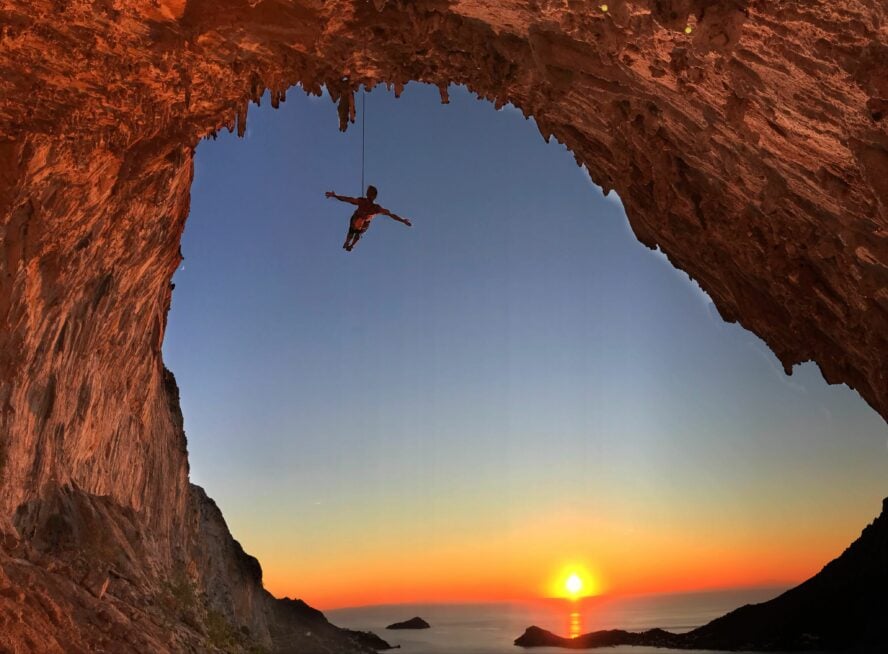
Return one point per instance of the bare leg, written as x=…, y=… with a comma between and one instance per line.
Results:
x=355, y=239
x=350, y=239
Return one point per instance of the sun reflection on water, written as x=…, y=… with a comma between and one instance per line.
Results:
x=576, y=624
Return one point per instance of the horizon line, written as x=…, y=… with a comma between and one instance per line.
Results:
x=776, y=586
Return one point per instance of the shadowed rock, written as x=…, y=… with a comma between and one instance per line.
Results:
x=369, y=639
x=537, y=637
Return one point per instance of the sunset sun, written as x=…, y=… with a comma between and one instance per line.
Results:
x=574, y=582
x=574, y=585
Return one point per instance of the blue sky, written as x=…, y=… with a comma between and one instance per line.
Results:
x=515, y=351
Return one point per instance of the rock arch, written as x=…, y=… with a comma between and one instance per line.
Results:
x=747, y=139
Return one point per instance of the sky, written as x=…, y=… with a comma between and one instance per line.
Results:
x=510, y=390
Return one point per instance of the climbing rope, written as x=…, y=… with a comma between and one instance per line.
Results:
x=363, y=135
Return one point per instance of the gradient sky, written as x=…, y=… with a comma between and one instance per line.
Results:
x=459, y=410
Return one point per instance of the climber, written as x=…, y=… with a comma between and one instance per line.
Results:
x=366, y=211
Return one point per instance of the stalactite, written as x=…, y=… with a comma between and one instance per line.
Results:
x=242, y=118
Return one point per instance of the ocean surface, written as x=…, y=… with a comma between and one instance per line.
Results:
x=491, y=628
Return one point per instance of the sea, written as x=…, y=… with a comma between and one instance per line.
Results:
x=491, y=628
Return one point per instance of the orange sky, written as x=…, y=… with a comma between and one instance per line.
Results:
x=620, y=557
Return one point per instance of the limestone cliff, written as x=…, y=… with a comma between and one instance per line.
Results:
x=747, y=139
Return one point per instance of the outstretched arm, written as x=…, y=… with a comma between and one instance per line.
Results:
x=342, y=198
x=393, y=216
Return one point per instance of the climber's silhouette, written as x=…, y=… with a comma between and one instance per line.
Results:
x=366, y=211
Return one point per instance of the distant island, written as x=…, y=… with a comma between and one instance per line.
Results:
x=538, y=637
x=412, y=623
x=843, y=607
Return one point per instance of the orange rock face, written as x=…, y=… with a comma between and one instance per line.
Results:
x=748, y=140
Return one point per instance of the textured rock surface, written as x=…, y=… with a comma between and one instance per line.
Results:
x=84, y=574
x=753, y=150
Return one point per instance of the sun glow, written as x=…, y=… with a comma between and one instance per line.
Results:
x=574, y=582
